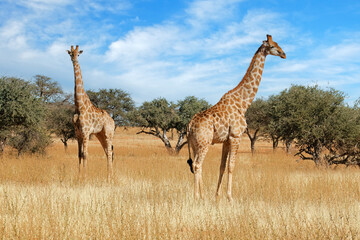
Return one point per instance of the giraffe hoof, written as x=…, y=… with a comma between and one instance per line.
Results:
x=190, y=162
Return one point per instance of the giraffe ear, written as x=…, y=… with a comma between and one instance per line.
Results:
x=265, y=43
x=68, y=51
x=80, y=52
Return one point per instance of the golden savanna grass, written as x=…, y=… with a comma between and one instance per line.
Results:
x=151, y=196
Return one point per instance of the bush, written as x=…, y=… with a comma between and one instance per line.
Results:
x=22, y=121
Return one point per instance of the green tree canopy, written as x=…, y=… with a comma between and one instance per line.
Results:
x=22, y=116
x=256, y=119
x=116, y=102
x=47, y=89
x=187, y=108
x=314, y=119
x=159, y=116
x=60, y=121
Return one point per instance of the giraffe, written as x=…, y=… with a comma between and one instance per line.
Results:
x=225, y=121
x=89, y=119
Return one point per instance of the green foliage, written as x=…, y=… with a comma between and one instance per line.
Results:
x=18, y=106
x=159, y=116
x=187, y=108
x=116, y=102
x=274, y=112
x=47, y=89
x=60, y=121
x=257, y=120
x=22, y=116
x=34, y=140
x=317, y=120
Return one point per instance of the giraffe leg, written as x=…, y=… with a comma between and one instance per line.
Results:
x=106, y=143
x=85, y=153
x=234, y=146
x=197, y=166
x=109, y=159
x=225, y=153
x=79, y=140
x=80, y=152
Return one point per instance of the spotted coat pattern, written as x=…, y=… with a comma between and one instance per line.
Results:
x=225, y=121
x=89, y=119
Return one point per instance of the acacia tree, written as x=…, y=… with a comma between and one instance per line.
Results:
x=116, y=102
x=47, y=89
x=60, y=121
x=274, y=115
x=256, y=119
x=314, y=119
x=344, y=149
x=159, y=116
x=186, y=109
x=22, y=121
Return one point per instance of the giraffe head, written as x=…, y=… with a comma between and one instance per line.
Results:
x=273, y=48
x=74, y=53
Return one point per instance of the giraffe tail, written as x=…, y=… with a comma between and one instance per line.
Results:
x=112, y=152
x=190, y=161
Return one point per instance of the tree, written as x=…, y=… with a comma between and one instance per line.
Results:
x=256, y=119
x=32, y=139
x=274, y=114
x=22, y=121
x=186, y=109
x=59, y=108
x=281, y=125
x=156, y=118
x=159, y=116
x=47, y=89
x=343, y=149
x=314, y=119
x=116, y=102
x=60, y=122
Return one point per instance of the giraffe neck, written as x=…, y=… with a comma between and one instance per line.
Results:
x=79, y=92
x=246, y=90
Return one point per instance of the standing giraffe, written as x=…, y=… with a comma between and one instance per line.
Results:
x=89, y=119
x=225, y=121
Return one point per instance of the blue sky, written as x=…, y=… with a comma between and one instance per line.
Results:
x=174, y=49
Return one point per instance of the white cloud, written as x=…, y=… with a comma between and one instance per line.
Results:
x=205, y=52
x=143, y=44
x=203, y=11
x=347, y=52
x=42, y=5
x=175, y=56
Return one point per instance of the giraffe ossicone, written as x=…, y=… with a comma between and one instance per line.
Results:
x=89, y=119
x=225, y=121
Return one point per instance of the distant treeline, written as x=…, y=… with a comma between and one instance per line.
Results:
x=318, y=122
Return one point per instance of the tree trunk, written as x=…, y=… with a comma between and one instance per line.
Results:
x=65, y=146
x=160, y=135
x=252, y=139
x=167, y=143
x=252, y=145
x=288, y=145
x=2, y=144
x=319, y=159
x=173, y=151
x=180, y=143
x=172, y=134
x=64, y=141
x=275, y=142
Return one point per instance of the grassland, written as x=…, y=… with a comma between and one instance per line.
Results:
x=151, y=196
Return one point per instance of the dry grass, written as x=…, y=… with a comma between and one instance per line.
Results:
x=151, y=196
